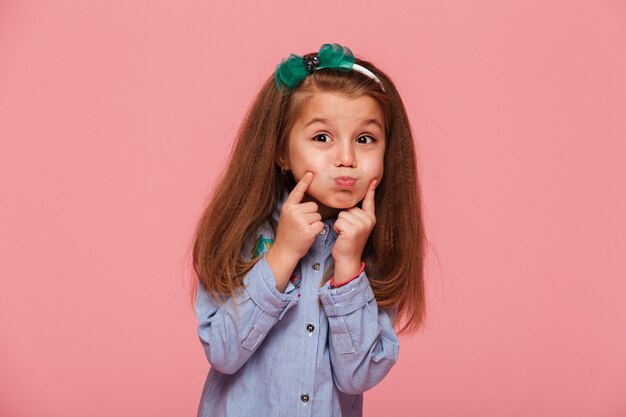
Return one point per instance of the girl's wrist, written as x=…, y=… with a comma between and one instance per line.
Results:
x=337, y=282
x=281, y=265
x=346, y=270
x=283, y=255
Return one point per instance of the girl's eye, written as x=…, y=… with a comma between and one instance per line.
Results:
x=366, y=139
x=322, y=137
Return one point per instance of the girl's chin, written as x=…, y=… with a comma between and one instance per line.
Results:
x=341, y=203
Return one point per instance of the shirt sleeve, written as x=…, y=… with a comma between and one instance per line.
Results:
x=231, y=332
x=363, y=343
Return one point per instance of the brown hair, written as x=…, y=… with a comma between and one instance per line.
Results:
x=248, y=191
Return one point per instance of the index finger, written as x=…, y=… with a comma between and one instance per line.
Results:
x=368, y=201
x=297, y=194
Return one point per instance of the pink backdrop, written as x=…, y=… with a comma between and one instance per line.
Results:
x=117, y=116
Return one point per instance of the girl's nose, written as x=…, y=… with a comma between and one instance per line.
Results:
x=346, y=155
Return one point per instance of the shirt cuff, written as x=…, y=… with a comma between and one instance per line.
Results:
x=347, y=298
x=261, y=286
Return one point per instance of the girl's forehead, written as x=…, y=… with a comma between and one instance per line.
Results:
x=328, y=107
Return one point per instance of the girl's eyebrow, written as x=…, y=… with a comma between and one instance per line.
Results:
x=372, y=122
x=316, y=120
x=365, y=122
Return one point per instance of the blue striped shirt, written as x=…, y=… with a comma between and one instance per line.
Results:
x=306, y=351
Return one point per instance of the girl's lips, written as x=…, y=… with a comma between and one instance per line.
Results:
x=345, y=181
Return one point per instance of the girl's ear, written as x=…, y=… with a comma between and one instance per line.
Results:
x=281, y=161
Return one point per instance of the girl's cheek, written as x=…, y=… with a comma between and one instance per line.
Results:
x=380, y=173
x=298, y=172
x=304, y=170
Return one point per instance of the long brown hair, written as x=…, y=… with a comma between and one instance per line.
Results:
x=248, y=191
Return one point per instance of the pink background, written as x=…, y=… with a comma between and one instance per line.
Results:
x=117, y=116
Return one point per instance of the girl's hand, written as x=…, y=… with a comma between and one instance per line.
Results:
x=299, y=223
x=354, y=227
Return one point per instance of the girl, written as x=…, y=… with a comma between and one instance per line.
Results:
x=311, y=248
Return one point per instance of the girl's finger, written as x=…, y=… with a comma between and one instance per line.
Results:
x=317, y=227
x=312, y=217
x=297, y=194
x=338, y=226
x=368, y=200
x=349, y=216
x=360, y=214
x=308, y=207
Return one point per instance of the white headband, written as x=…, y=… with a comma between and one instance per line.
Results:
x=363, y=70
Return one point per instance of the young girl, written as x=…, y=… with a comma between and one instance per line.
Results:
x=311, y=248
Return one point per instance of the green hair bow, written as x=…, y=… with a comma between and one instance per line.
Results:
x=292, y=70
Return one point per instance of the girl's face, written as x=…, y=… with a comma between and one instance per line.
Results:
x=342, y=141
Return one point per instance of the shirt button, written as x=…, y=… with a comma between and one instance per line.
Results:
x=323, y=232
x=310, y=327
x=316, y=266
x=304, y=398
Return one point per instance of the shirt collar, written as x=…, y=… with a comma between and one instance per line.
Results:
x=331, y=227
